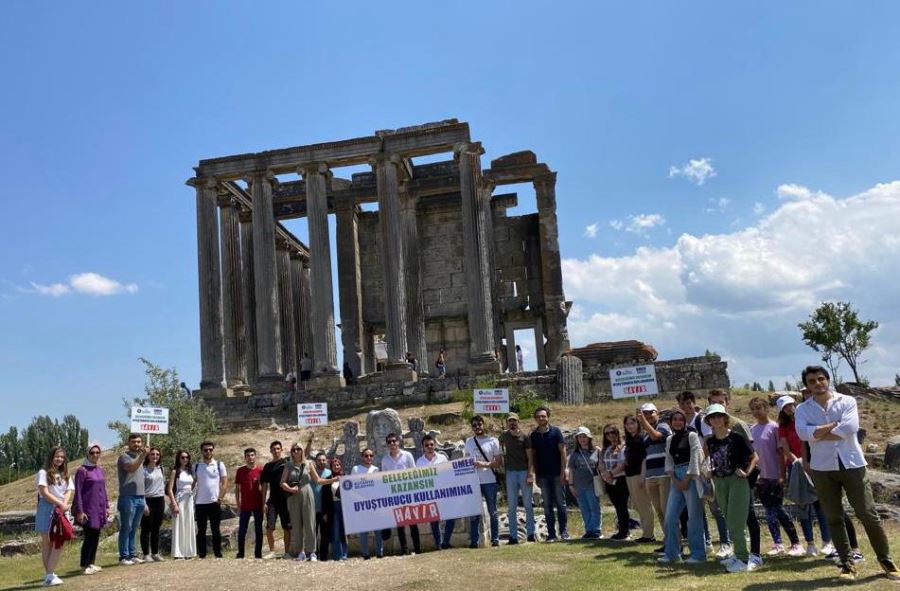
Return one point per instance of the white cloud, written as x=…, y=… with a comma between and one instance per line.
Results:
x=759, y=208
x=591, y=230
x=791, y=191
x=696, y=170
x=639, y=224
x=54, y=289
x=742, y=293
x=720, y=205
x=616, y=224
x=86, y=283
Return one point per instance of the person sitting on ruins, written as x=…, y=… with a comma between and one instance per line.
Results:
x=400, y=459
x=486, y=451
x=412, y=361
x=431, y=457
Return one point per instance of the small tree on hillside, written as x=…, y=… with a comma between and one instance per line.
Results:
x=836, y=331
x=190, y=419
x=897, y=379
x=771, y=386
x=788, y=386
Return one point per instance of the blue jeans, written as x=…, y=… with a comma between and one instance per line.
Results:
x=553, y=495
x=517, y=480
x=677, y=501
x=338, y=536
x=243, y=525
x=448, y=533
x=364, y=543
x=131, y=509
x=489, y=492
x=806, y=517
x=589, y=505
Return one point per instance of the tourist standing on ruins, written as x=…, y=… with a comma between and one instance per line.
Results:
x=731, y=460
x=367, y=467
x=331, y=507
x=518, y=462
x=655, y=478
x=89, y=507
x=296, y=480
x=212, y=482
x=486, y=451
x=306, y=367
x=583, y=465
x=55, y=490
x=323, y=532
x=612, y=470
x=635, y=453
x=431, y=457
x=684, y=452
x=131, y=497
x=249, y=501
x=717, y=396
x=181, y=495
x=770, y=485
x=441, y=364
x=276, y=501
x=829, y=422
x=400, y=459
x=154, y=505
x=520, y=359
x=549, y=450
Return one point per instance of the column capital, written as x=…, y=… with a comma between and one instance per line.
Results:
x=469, y=148
x=344, y=203
x=385, y=158
x=313, y=168
x=245, y=215
x=545, y=179
x=258, y=175
x=281, y=242
x=205, y=182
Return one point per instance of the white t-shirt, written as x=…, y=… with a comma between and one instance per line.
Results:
x=58, y=488
x=404, y=461
x=491, y=448
x=439, y=458
x=360, y=469
x=208, y=481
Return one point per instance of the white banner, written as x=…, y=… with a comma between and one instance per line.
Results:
x=312, y=414
x=491, y=400
x=149, y=420
x=637, y=380
x=384, y=500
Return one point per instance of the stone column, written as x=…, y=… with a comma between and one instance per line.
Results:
x=210, y=286
x=306, y=309
x=248, y=297
x=391, y=257
x=415, y=308
x=350, y=282
x=286, y=308
x=232, y=310
x=475, y=218
x=297, y=300
x=570, y=380
x=268, y=329
x=555, y=310
x=370, y=365
x=324, y=348
x=539, y=343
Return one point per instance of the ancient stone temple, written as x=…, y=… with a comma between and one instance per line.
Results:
x=438, y=265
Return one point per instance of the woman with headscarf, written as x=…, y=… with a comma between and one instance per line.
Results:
x=90, y=506
x=181, y=495
x=684, y=452
x=296, y=480
x=582, y=465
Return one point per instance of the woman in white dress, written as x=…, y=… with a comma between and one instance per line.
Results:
x=55, y=490
x=181, y=494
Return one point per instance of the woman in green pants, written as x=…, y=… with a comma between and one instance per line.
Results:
x=731, y=459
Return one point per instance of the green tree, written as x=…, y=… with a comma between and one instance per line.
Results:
x=73, y=437
x=190, y=419
x=756, y=387
x=788, y=386
x=38, y=438
x=897, y=379
x=836, y=331
x=771, y=386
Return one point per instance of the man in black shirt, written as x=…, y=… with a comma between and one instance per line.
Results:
x=276, y=503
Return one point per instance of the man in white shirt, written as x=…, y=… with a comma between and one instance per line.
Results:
x=829, y=421
x=431, y=457
x=400, y=459
x=367, y=467
x=212, y=481
x=487, y=453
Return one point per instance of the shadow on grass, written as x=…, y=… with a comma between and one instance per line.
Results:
x=821, y=583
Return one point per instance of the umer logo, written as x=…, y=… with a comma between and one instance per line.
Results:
x=364, y=483
x=414, y=514
x=463, y=466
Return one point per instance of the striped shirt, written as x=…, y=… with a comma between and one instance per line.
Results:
x=656, y=453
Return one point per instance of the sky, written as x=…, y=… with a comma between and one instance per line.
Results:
x=722, y=167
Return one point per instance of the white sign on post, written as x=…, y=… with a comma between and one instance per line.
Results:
x=637, y=380
x=491, y=400
x=149, y=420
x=312, y=414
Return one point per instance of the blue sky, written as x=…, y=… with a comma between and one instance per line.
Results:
x=788, y=110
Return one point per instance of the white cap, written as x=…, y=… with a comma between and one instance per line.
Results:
x=584, y=431
x=648, y=407
x=784, y=401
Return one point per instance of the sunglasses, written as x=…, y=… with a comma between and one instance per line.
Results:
x=94, y=453
x=429, y=445
x=368, y=455
x=392, y=442
x=206, y=449
x=611, y=433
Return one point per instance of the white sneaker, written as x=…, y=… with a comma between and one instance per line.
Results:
x=97, y=568
x=270, y=556
x=126, y=562
x=737, y=566
x=313, y=557
x=301, y=557
x=138, y=560
x=157, y=558
x=755, y=561
x=776, y=550
x=725, y=550
x=828, y=549
x=796, y=550
x=53, y=581
x=811, y=550
x=726, y=562
x=89, y=570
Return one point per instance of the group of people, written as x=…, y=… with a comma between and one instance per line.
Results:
x=669, y=470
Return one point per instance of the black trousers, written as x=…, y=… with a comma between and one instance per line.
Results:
x=208, y=513
x=618, y=495
x=414, y=531
x=151, y=523
x=89, y=546
x=323, y=535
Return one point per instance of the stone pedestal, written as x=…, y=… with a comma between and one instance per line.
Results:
x=325, y=381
